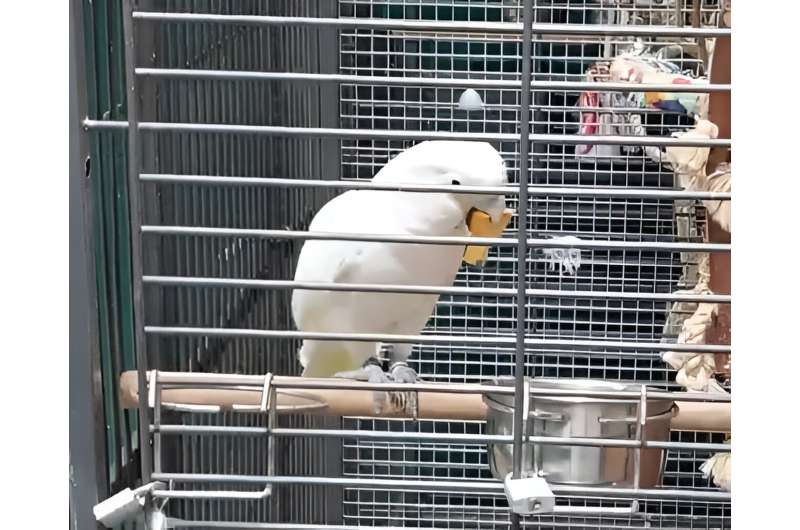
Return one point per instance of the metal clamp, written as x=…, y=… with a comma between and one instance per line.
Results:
x=269, y=402
x=152, y=384
x=547, y=416
x=266, y=392
x=193, y=408
x=585, y=511
x=526, y=407
x=632, y=420
x=641, y=436
x=628, y=420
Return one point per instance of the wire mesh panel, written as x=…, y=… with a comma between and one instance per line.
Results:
x=214, y=46
x=555, y=58
x=230, y=127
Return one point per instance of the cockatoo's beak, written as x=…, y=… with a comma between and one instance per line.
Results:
x=483, y=224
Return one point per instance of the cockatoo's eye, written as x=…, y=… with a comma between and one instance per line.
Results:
x=456, y=183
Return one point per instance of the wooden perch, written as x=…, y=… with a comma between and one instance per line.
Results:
x=691, y=416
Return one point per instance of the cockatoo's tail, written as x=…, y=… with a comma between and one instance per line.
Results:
x=480, y=224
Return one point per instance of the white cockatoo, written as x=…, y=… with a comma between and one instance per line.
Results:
x=378, y=212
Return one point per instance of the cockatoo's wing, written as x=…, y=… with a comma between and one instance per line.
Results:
x=372, y=212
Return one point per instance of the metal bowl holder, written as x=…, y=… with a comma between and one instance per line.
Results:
x=267, y=406
x=534, y=505
x=542, y=502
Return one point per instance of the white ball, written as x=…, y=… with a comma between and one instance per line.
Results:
x=470, y=100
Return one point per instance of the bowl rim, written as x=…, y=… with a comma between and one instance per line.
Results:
x=506, y=400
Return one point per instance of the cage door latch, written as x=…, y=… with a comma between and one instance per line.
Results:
x=529, y=495
x=127, y=505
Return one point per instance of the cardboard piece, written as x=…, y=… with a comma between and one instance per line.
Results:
x=481, y=225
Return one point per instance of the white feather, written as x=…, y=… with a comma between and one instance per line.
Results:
x=389, y=213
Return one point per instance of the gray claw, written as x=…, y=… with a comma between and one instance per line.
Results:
x=399, y=372
x=402, y=373
x=376, y=375
x=362, y=374
x=371, y=372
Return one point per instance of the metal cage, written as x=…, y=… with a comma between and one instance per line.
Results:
x=245, y=117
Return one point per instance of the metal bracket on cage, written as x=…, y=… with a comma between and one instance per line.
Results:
x=527, y=413
x=152, y=382
x=547, y=416
x=155, y=520
x=154, y=402
x=528, y=495
x=185, y=407
x=269, y=404
x=266, y=398
x=533, y=496
x=641, y=426
x=266, y=392
x=526, y=407
x=126, y=505
x=585, y=511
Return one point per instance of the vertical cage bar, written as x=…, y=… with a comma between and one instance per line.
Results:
x=522, y=231
x=156, y=389
x=136, y=237
x=87, y=449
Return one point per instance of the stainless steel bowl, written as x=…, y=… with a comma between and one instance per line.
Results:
x=580, y=417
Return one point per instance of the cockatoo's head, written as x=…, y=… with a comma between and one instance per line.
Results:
x=458, y=163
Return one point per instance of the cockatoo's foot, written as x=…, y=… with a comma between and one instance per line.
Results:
x=371, y=372
x=407, y=401
x=399, y=373
x=402, y=373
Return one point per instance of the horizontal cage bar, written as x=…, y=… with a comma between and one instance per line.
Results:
x=244, y=75
x=505, y=28
x=432, y=339
x=192, y=379
x=433, y=240
x=419, y=485
x=423, y=437
x=627, y=193
x=359, y=134
x=423, y=289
